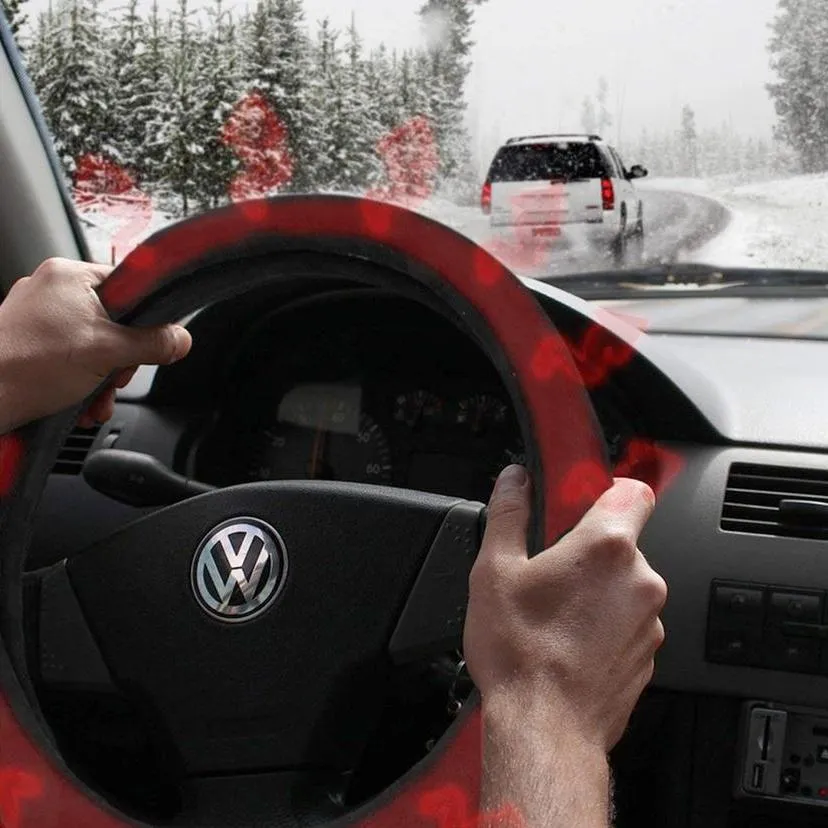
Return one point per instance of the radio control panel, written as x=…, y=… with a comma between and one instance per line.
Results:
x=785, y=754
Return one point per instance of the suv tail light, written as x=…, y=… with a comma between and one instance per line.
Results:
x=486, y=198
x=607, y=194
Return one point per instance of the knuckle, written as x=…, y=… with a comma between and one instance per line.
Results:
x=50, y=268
x=617, y=541
x=654, y=590
x=659, y=634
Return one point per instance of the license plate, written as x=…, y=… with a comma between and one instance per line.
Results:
x=546, y=232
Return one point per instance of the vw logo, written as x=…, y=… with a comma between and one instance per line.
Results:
x=238, y=569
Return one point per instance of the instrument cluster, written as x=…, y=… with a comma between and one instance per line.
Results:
x=382, y=392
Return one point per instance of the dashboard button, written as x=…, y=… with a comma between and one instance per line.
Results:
x=739, y=646
x=798, y=655
x=793, y=606
x=738, y=604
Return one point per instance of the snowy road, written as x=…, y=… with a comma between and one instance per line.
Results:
x=677, y=223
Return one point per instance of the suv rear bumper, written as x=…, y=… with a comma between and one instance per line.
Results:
x=587, y=235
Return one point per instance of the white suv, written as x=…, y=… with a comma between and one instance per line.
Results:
x=569, y=188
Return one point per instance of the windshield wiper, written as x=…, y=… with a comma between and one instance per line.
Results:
x=692, y=280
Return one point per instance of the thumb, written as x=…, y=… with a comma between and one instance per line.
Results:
x=161, y=345
x=509, y=511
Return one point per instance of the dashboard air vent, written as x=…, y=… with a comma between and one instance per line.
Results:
x=776, y=500
x=74, y=451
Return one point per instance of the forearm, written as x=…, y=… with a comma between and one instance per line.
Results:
x=537, y=774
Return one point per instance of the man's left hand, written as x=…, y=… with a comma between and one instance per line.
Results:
x=58, y=344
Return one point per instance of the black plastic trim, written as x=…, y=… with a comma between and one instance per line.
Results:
x=27, y=89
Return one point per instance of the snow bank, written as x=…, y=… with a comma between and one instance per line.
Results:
x=779, y=223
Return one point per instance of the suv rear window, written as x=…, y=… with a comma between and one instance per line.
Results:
x=542, y=162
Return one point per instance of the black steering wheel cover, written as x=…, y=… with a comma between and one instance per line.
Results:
x=160, y=281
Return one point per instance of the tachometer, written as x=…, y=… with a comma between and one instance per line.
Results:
x=481, y=413
x=321, y=433
x=418, y=408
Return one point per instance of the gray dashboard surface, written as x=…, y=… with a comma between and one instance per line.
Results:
x=768, y=391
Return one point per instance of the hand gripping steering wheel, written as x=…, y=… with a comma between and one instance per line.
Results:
x=260, y=622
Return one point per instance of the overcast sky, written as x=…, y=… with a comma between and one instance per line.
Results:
x=535, y=60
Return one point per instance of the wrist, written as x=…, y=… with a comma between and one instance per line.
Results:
x=511, y=713
x=538, y=760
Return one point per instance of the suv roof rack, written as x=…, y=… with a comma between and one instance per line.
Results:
x=590, y=137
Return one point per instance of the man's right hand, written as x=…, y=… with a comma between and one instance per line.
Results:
x=562, y=644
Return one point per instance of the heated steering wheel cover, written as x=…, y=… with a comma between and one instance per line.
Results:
x=153, y=285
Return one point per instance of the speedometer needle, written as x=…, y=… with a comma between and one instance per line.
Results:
x=316, y=452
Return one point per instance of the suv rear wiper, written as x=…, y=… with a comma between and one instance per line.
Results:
x=692, y=280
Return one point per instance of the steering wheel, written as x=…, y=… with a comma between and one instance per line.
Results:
x=259, y=623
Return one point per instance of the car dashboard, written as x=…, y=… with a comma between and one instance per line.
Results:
x=347, y=383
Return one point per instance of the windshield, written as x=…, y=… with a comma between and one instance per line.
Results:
x=565, y=137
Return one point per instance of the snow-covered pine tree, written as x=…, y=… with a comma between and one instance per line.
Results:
x=179, y=135
x=383, y=82
x=589, y=120
x=800, y=94
x=328, y=94
x=603, y=117
x=260, y=39
x=152, y=99
x=360, y=127
x=129, y=42
x=292, y=99
x=217, y=165
x=413, y=84
x=43, y=58
x=763, y=156
x=689, y=142
x=751, y=156
x=16, y=17
x=448, y=25
x=75, y=92
x=316, y=167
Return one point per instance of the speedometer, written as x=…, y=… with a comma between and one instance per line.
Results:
x=321, y=433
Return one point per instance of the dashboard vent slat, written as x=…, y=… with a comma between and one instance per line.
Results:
x=753, y=495
x=75, y=449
